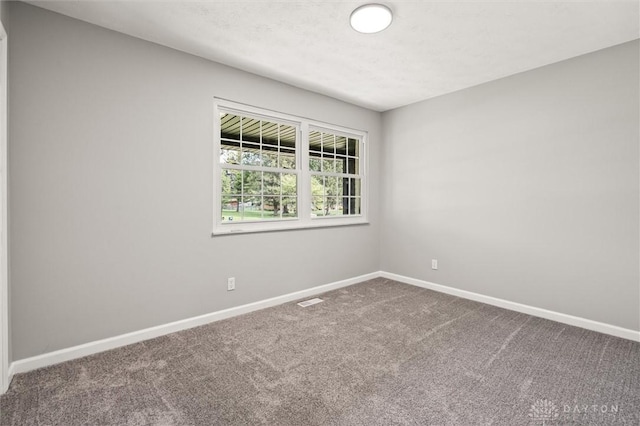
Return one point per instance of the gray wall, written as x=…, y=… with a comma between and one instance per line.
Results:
x=3, y=12
x=111, y=188
x=525, y=188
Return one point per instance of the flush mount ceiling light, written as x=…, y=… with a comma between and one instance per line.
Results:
x=371, y=18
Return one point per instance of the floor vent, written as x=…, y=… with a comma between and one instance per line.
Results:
x=310, y=302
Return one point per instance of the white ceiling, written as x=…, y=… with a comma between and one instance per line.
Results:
x=431, y=48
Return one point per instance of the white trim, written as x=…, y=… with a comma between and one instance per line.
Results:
x=296, y=226
x=5, y=375
x=91, y=348
x=588, y=324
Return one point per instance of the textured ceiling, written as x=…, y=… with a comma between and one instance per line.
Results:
x=431, y=48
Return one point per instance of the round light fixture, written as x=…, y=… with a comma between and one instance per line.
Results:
x=371, y=18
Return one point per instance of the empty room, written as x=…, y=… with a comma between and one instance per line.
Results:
x=319, y=212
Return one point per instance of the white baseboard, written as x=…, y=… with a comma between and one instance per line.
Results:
x=62, y=355
x=56, y=357
x=613, y=330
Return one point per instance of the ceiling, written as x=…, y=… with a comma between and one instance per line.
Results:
x=431, y=47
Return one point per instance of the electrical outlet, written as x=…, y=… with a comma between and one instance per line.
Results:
x=434, y=263
x=231, y=283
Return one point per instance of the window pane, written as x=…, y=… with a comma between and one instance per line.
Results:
x=328, y=144
x=229, y=126
x=287, y=159
x=355, y=205
x=341, y=145
x=341, y=184
x=289, y=184
x=231, y=181
x=229, y=209
x=314, y=164
x=251, y=208
x=353, y=166
x=353, y=148
x=250, y=130
x=333, y=206
x=315, y=141
x=331, y=186
x=354, y=187
x=287, y=136
x=341, y=164
x=289, y=207
x=328, y=165
x=271, y=183
x=251, y=183
x=317, y=185
x=317, y=206
x=229, y=152
x=271, y=207
x=250, y=154
x=229, y=155
x=269, y=159
x=270, y=135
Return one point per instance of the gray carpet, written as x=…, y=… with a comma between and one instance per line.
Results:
x=376, y=353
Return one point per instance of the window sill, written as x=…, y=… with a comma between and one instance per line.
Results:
x=314, y=224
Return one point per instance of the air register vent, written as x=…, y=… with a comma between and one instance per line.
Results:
x=310, y=302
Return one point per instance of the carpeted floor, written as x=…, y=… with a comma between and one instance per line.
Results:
x=376, y=353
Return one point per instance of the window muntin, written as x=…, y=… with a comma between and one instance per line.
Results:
x=275, y=171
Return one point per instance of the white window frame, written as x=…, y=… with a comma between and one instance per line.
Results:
x=304, y=219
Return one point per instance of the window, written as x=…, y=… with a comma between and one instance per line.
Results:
x=334, y=165
x=259, y=178
x=275, y=171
